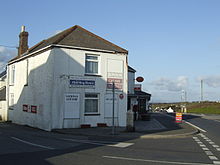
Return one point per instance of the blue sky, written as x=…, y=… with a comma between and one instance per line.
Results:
x=173, y=44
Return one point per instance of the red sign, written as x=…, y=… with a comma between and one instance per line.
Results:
x=139, y=79
x=178, y=117
x=121, y=96
x=117, y=81
x=34, y=109
x=25, y=107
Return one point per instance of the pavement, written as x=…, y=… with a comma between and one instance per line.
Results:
x=159, y=126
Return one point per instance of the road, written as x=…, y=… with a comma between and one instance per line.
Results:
x=24, y=145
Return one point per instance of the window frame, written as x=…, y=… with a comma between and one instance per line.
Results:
x=92, y=98
x=92, y=60
x=12, y=74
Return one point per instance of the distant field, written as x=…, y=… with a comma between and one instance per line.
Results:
x=196, y=107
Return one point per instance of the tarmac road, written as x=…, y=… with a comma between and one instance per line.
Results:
x=24, y=145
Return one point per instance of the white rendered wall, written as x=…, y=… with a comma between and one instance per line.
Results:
x=37, y=92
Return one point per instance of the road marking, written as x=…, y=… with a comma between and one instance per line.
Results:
x=195, y=126
x=215, y=146
x=102, y=143
x=208, y=153
x=202, y=145
x=218, y=149
x=213, y=158
x=152, y=161
x=216, y=162
x=211, y=142
x=121, y=145
x=205, y=149
x=33, y=144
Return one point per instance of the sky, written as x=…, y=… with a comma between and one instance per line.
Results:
x=173, y=44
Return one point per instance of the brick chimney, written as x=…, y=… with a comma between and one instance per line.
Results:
x=23, y=41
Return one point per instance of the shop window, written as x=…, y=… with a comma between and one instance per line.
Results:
x=92, y=64
x=91, y=103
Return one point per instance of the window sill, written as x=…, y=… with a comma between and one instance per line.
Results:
x=95, y=75
x=91, y=114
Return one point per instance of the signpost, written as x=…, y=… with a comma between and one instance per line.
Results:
x=113, y=109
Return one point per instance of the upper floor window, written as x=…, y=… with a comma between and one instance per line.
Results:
x=12, y=74
x=92, y=64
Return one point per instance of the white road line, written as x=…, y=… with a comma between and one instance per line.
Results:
x=211, y=142
x=213, y=158
x=208, y=153
x=121, y=145
x=215, y=146
x=218, y=149
x=195, y=126
x=216, y=162
x=102, y=143
x=33, y=144
x=205, y=149
x=152, y=161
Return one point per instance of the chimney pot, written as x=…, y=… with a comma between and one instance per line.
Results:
x=22, y=28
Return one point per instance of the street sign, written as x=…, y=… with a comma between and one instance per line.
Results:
x=178, y=117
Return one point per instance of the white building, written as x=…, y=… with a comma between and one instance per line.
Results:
x=66, y=81
x=3, y=111
x=136, y=97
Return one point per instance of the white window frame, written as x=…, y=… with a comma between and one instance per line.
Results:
x=91, y=98
x=12, y=74
x=92, y=60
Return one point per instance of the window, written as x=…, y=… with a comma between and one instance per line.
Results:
x=12, y=75
x=11, y=101
x=91, y=103
x=92, y=64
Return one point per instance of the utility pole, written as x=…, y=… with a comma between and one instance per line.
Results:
x=113, y=108
x=201, y=90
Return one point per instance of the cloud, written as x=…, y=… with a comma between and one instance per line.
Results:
x=211, y=81
x=170, y=85
x=5, y=56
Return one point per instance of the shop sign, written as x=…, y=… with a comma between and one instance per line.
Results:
x=117, y=81
x=80, y=83
x=71, y=98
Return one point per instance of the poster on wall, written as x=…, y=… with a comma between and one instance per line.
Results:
x=33, y=109
x=25, y=107
x=71, y=97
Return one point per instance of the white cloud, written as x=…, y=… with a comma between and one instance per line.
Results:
x=211, y=81
x=171, y=85
x=5, y=56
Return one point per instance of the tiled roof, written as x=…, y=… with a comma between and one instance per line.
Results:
x=78, y=37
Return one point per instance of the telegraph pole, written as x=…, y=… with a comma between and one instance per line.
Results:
x=201, y=90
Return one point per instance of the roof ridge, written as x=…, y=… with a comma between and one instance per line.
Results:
x=66, y=33
x=108, y=42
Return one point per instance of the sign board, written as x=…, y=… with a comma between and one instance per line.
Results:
x=137, y=87
x=33, y=109
x=81, y=83
x=178, y=117
x=71, y=98
x=118, y=83
x=25, y=107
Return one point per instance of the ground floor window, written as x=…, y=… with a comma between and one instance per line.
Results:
x=91, y=103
